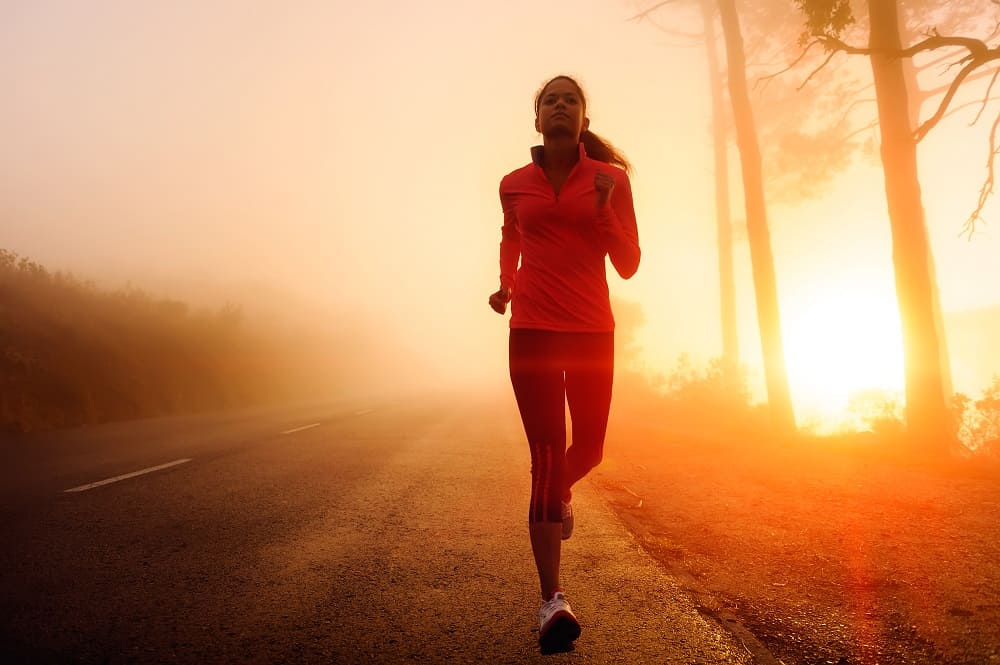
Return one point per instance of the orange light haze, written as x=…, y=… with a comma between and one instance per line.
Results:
x=340, y=161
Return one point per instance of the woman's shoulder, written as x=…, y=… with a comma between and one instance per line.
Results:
x=517, y=175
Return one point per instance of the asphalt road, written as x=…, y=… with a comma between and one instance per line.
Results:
x=345, y=532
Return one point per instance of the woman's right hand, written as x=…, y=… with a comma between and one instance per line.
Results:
x=499, y=300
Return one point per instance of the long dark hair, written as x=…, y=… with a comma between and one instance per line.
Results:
x=597, y=148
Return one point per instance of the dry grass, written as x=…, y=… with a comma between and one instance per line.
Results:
x=829, y=551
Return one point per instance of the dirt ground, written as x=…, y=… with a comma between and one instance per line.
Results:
x=818, y=552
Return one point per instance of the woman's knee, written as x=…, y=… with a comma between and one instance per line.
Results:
x=594, y=458
x=586, y=457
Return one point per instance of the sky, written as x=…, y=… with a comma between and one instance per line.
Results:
x=341, y=161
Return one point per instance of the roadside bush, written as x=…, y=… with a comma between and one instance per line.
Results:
x=880, y=412
x=979, y=420
x=692, y=399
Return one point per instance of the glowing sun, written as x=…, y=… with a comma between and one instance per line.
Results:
x=839, y=344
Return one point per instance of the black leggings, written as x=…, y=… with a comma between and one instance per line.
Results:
x=549, y=369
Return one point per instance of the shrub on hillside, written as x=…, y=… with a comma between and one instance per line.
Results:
x=877, y=411
x=691, y=398
x=979, y=420
x=73, y=354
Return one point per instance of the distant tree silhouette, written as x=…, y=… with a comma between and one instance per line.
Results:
x=765, y=283
x=720, y=133
x=762, y=260
x=723, y=215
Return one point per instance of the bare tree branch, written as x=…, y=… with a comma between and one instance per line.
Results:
x=961, y=107
x=861, y=130
x=977, y=49
x=986, y=98
x=874, y=123
x=987, y=188
x=956, y=63
x=816, y=71
x=936, y=61
x=996, y=28
x=693, y=39
x=931, y=122
x=978, y=55
x=925, y=95
x=850, y=107
x=805, y=51
x=645, y=14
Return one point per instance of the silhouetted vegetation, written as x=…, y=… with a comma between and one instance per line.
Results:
x=709, y=400
x=72, y=354
x=703, y=400
x=976, y=421
x=877, y=411
x=979, y=420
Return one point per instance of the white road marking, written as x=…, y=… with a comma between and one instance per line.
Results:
x=124, y=476
x=361, y=413
x=299, y=429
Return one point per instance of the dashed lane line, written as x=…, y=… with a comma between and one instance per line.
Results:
x=125, y=476
x=299, y=429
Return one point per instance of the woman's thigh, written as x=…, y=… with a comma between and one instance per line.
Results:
x=536, y=374
x=589, y=377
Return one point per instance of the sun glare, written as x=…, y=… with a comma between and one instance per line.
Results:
x=839, y=344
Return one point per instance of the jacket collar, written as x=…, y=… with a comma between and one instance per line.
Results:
x=537, y=150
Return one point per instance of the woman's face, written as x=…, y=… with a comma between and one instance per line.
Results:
x=560, y=110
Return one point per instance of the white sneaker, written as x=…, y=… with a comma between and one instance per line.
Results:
x=557, y=625
x=567, y=520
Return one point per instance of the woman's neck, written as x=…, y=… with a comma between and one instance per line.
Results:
x=560, y=153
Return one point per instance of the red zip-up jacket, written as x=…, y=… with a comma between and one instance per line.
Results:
x=561, y=241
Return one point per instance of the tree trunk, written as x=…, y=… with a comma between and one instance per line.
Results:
x=723, y=217
x=762, y=261
x=926, y=412
x=914, y=103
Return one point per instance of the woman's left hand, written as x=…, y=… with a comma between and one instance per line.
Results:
x=604, y=184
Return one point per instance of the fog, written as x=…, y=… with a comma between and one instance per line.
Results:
x=337, y=164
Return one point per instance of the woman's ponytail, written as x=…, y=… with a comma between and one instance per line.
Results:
x=602, y=150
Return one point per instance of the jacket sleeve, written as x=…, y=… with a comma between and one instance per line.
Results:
x=510, y=241
x=617, y=223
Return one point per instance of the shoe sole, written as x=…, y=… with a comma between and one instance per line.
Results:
x=562, y=629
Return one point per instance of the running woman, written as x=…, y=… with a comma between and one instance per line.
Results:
x=563, y=213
